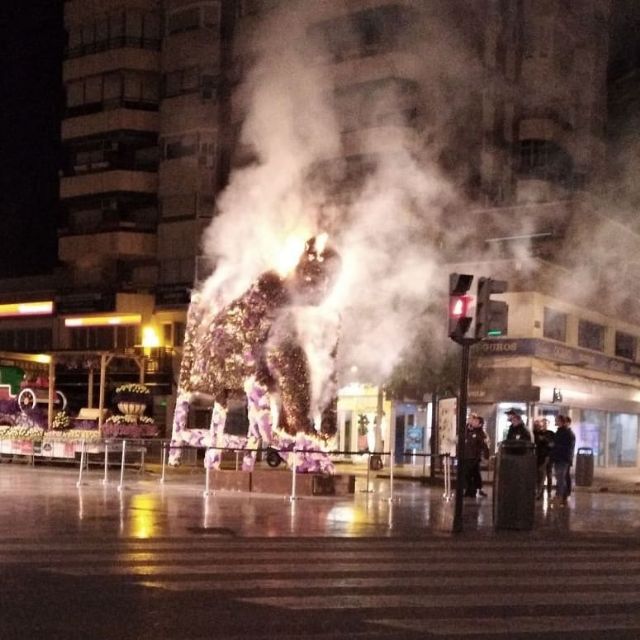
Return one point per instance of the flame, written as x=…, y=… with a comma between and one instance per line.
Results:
x=321, y=242
x=289, y=256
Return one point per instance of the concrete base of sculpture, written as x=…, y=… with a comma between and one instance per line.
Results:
x=276, y=481
x=231, y=480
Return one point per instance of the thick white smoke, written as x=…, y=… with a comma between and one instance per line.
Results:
x=388, y=229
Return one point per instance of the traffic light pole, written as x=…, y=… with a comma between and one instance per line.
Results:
x=461, y=433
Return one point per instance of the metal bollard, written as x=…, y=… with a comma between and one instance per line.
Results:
x=368, y=490
x=391, y=465
x=447, y=477
x=82, y=457
x=105, y=480
x=207, y=482
x=124, y=449
x=164, y=461
x=293, y=496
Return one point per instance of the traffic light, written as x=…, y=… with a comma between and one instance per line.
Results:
x=460, y=306
x=492, y=316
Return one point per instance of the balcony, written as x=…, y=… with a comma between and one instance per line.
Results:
x=108, y=182
x=112, y=60
x=113, y=244
x=118, y=119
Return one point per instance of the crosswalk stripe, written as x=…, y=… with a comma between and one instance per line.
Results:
x=513, y=624
x=229, y=566
x=453, y=589
x=434, y=601
x=256, y=555
x=425, y=581
x=285, y=543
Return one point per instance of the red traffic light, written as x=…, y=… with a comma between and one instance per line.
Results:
x=459, y=306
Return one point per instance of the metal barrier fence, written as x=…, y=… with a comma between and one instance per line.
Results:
x=141, y=447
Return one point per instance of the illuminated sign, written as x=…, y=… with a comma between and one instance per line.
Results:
x=42, y=308
x=103, y=321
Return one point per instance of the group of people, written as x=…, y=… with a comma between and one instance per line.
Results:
x=554, y=452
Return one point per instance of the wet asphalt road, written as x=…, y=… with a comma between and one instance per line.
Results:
x=161, y=561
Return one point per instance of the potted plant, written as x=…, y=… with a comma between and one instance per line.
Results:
x=132, y=398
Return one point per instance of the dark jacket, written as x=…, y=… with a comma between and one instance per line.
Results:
x=544, y=442
x=518, y=432
x=475, y=444
x=563, y=444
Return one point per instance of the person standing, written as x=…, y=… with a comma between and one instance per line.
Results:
x=567, y=421
x=543, y=439
x=562, y=456
x=475, y=448
x=517, y=429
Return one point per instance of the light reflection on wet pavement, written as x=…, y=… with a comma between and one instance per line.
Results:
x=42, y=501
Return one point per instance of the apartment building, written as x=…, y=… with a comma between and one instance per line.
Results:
x=508, y=98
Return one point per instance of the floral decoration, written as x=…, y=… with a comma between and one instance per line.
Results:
x=73, y=435
x=21, y=433
x=132, y=392
x=129, y=419
x=133, y=387
x=61, y=421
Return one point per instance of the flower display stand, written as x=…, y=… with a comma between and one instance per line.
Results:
x=128, y=408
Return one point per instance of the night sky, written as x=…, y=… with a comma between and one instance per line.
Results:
x=31, y=45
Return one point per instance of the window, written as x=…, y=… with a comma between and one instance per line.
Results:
x=545, y=160
x=107, y=338
x=183, y=20
x=180, y=146
x=590, y=335
x=26, y=340
x=383, y=102
x=365, y=32
x=114, y=30
x=117, y=150
x=205, y=15
x=177, y=271
x=555, y=325
x=625, y=346
x=190, y=80
x=128, y=89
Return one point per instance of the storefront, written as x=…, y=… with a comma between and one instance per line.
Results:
x=600, y=394
x=405, y=426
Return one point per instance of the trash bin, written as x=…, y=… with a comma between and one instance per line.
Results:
x=584, y=467
x=514, y=486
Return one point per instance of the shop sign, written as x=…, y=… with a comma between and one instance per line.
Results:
x=558, y=353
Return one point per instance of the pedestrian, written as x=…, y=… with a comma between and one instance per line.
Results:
x=561, y=456
x=567, y=421
x=517, y=429
x=543, y=439
x=476, y=447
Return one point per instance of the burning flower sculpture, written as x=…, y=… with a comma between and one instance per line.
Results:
x=251, y=350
